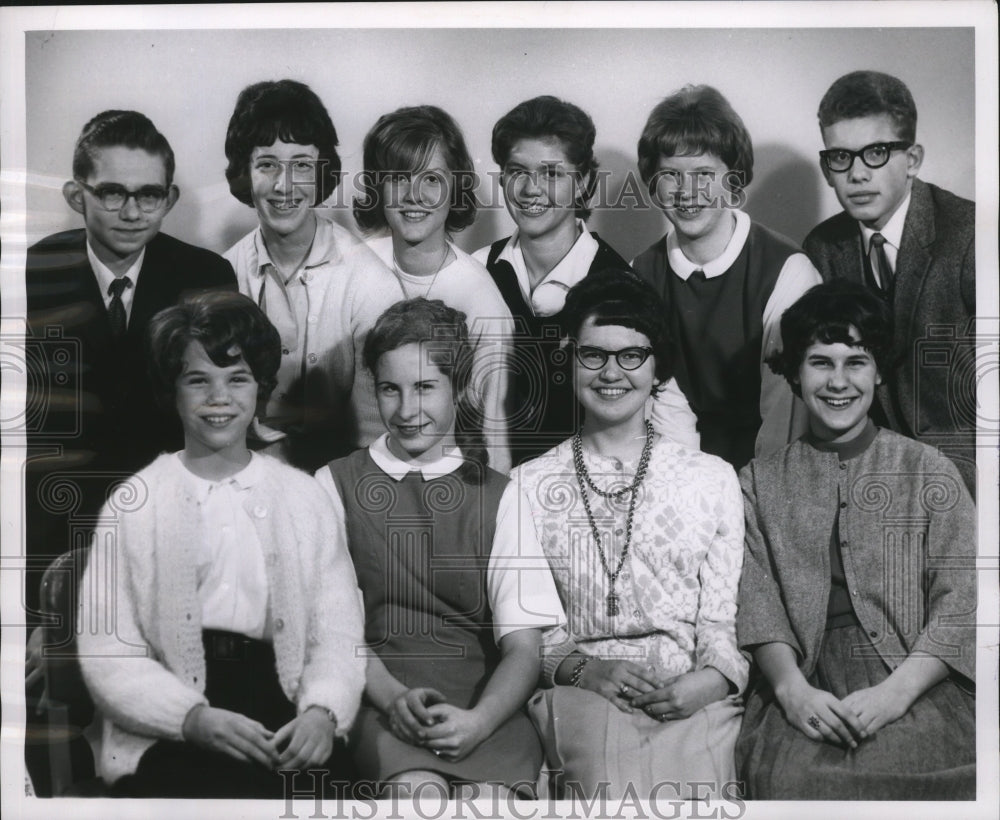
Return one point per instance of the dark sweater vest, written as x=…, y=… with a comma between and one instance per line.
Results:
x=718, y=327
x=541, y=409
x=421, y=550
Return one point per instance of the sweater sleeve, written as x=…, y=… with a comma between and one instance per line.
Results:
x=673, y=417
x=761, y=617
x=128, y=684
x=719, y=577
x=949, y=631
x=783, y=416
x=333, y=675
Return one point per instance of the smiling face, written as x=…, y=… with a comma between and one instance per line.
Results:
x=541, y=188
x=216, y=405
x=283, y=182
x=117, y=237
x=871, y=195
x=838, y=385
x=691, y=191
x=416, y=402
x=612, y=396
x=416, y=205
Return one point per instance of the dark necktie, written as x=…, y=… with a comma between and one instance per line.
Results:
x=116, y=310
x=697, y=277
x=880, y=262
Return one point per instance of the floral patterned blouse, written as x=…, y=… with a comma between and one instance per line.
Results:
x=678, y=586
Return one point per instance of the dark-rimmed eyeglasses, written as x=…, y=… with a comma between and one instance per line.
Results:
x=628, y=358
x=112, y=197
x=875, y=155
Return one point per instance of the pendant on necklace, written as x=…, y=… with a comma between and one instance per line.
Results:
x=612, y=604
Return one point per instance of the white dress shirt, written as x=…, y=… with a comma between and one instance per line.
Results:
x=105, y=277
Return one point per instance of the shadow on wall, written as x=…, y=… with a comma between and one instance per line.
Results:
x=624, y=215
x=786, y=191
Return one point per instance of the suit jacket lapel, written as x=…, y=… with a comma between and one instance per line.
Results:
x=913, y=262
x=152, y=292
x=851, y=254
x=90, y=321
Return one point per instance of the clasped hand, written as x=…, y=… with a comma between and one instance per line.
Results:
x=820, y=715
x=683, y=695
x=422, y=717
x=306, y=740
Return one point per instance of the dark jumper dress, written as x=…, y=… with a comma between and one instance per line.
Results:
x=421, y=549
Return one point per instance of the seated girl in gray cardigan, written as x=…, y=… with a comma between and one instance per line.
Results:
x=218, y=626
x=858, y=595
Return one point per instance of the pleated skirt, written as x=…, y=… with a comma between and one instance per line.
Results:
x=928, y=754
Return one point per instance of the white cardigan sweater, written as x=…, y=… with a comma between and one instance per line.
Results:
x=139, y=621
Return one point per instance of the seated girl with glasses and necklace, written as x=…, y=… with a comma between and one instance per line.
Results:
x=645, y=539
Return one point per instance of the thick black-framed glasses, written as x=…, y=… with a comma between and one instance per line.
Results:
x=628, y=358
x=875, y=155
x=112, y=197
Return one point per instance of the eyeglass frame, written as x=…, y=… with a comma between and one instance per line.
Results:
x=897, y=145
x=121, y=189
x=647, y=351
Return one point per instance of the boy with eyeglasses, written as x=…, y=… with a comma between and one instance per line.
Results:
x=91, y=418
x=913, y=244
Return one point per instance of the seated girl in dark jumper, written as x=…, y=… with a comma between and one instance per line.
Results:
x=455, y=584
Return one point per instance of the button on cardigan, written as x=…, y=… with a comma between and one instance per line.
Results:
x=909, y=533
x=140, y=620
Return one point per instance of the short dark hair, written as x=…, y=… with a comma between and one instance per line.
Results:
x=826, y=314
x=228, y=325
x=696, y=120
x=129, y=129
x=442, y=331
x=869, y=93
x=616, y=296
x=404, y=141
x=548, y=117
x=280, y=109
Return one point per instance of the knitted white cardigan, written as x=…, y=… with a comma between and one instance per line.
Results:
x=139, y=627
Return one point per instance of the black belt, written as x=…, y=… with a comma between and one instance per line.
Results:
x=221, y=645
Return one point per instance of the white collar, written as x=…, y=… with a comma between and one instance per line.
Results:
x=382, y=247
x=322, y=251
x=429, y=466
x=549, y=295
x=104, y=275
x=202, y=488
x=684, y=267
x=893, y=230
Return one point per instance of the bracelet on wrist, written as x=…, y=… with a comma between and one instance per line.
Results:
x=330, y=716
x=576, y=676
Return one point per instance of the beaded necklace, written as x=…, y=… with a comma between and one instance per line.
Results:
x=584, y=480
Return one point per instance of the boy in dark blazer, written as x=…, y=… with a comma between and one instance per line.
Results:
x=91, y=416
x=912, y=243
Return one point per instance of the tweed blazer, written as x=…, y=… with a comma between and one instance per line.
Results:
x=930, y=392
x=908, y=540
x=139, y=619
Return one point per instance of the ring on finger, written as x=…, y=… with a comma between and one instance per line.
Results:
x=625, y=689
x=813, y=721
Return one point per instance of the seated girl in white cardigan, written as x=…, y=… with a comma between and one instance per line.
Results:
x=218, y=625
